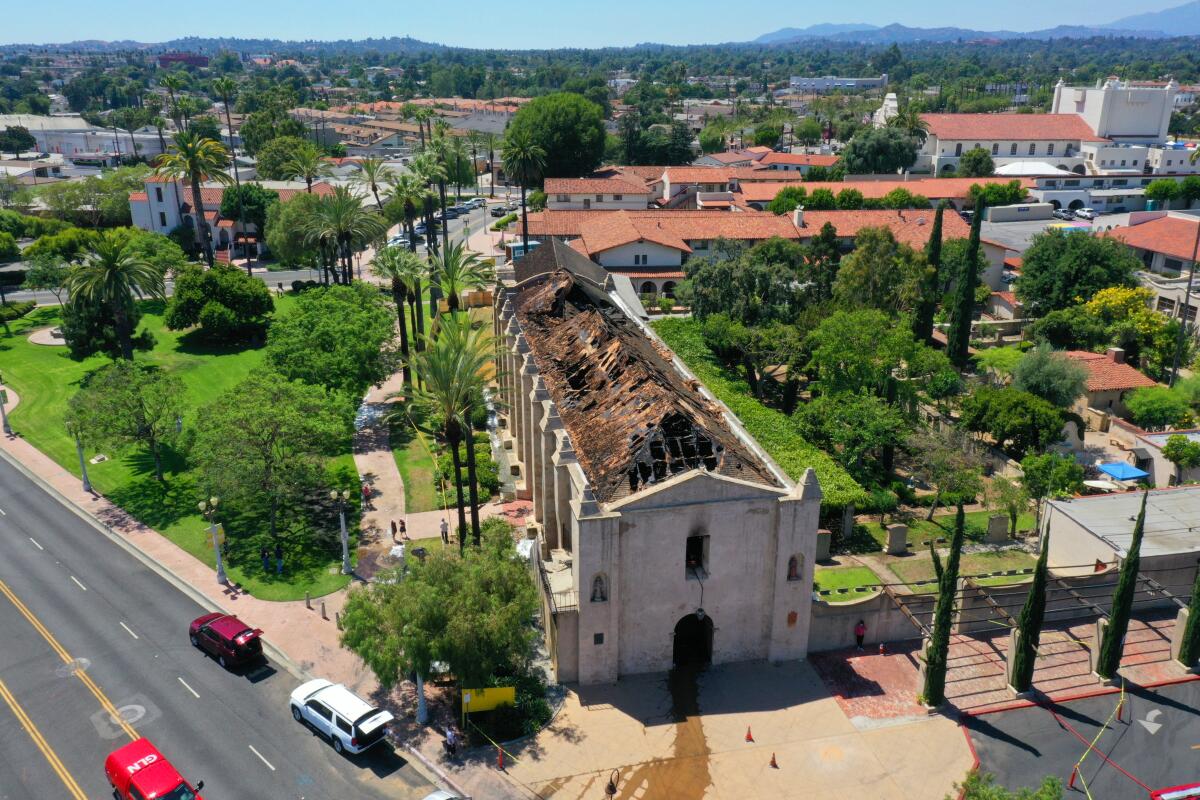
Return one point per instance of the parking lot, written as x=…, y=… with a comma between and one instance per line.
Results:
x=1155, y=744
x=1018, y=235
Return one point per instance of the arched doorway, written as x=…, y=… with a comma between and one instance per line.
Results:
x=648, y=287
x=693, y=641
x=1078, y=169
x=1075, y=205
x=1055, y=205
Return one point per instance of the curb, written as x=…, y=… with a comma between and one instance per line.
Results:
x=198, y=597
x=438, y=772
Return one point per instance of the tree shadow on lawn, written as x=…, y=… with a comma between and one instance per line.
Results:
x=158, y=504
x=196, y=343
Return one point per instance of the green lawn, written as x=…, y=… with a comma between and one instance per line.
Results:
x=46, y=378
x=412, y=451
x=913, y=570
x=859, y=582
x=922, y=531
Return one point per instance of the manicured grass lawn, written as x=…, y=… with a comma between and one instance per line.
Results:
x=921, y=531
x=859, y=581
x=412, y=451
x=46, y=378
x=917, y=569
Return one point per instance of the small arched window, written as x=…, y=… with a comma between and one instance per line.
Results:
x=600, y=588
x=648, y=287
x=795, y=568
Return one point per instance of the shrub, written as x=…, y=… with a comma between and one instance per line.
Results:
x=504, y=222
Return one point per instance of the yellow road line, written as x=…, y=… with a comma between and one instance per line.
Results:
x=66, y=657
x=40, y=741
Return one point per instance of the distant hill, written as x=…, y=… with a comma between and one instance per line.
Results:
x=1181, y=20
x=902, y=33
x=822, y=30
x=195, y=44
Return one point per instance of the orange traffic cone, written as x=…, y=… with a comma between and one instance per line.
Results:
x=499, y=758
x=773, y=764
x=749, y=735
x=1074, y=772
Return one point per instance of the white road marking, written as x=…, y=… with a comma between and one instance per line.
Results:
x=1149, y=724
x=35, y=543
x=193, y=691
x=127, y=630
x=260, y=756
x=2, y=514
x=77, y=583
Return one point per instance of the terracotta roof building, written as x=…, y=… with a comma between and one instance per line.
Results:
x=1109, y=382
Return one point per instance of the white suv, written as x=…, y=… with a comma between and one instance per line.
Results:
x=350, y=723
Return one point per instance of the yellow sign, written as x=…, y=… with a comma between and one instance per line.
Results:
x=487, y=699
x=220, y=533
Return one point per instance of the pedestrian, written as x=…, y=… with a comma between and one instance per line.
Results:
x=366, y=493
x=265, y=555
x=403, y=531
x=445, y=532
x=860, y=632
x=393, y=531
x=280, y=287
x=278, y=558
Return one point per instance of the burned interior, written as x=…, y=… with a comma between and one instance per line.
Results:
x=634, y=420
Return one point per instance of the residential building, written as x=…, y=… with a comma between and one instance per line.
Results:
x=1143, y=450
x=610, y=193
x=81, y=142
x=1167, y=244
x=889, y=110
x=169, y=60
x=1110, y=381
x=796, y=162
x=832, y=83
x=732, y=158
x=664, y=533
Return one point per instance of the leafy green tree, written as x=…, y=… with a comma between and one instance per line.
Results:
x=1010, y=497
x=1189, y=649
x=975, y=163
x=996, y=194
x=1049, y=475
x=937, y=654
x=460, y=270
x=807, y=131
x=225, y=302
x=751, y=290
x=857, y=428
x=712, y=138
x=879, y=151
x=263, y=444
x=1064, y=269
x=980, y=786
x=958, y=338
x=307, y=163
x=9, y=250
x=157, y=250
x=567, y=127
x=1019, y=422
x=787, y=200
x=927, y=286
x=339, y=337
x=286, y=233
x=849, y=200
x=1029, y=623
x=1163, y=191
x=125, y=404
x=263, y=128
x=821, y=200
x=248, y=203
x=1108, y=659
x=16, y=139
x=1183, y=452
x=1000, y=361
x=822, y=260
x=1072, y=328
x=1051, y=376
x=944, y=459
x=272, y=158
x=47, y=274
x=109, y=277
x=767, y=135
x=1157, y=407
x=880, y=273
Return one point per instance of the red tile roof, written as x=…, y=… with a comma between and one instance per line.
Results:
x=798, y=159
x=613, y=185
x=911, y=226
x=649, y=274
x=1105, y=375
x=1014, y=262
x=679, y=175
x=1008, y=297
x=1010, y=127
x=1172, y=236
x=675, y=229
x=138, y=197
x=734, y=156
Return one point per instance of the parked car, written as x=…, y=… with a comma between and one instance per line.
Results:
x=966, y=214
x=1063, y=213
x=138, y=770
x=499, y=211
x=1086, y=213
x=1008, y=277
x=442, y=794
x=227, y=639
x=350, y=723
x=476, y=202
x=398, y=241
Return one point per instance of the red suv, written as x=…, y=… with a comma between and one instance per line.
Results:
x=138, y=771
x=227, y=639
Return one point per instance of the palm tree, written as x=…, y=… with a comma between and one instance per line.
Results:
x=452, y=369
x=524, y=161
x=110, y=275
x=461, y=270
x=173, y=83
x=341, y=219
x=422, y=115
x=474, y=144
x=456, y=154
x=154, y=105
x=195, y=159
x=489, y=141
x=407, y=190
x=909, y=121
x=440, y=148
x=226, y=88
x=307, y=164
x=373, y=173
x=396, y=264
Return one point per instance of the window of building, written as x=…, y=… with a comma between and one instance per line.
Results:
x=618, y=196
x=1072, y=182
x=795, y=570
x=1033, y=148
x=158, y=193
x=1166, y=305
x=1173, y=265
x=1122, y=162
x=162, y=219
x=600, y=588
x=995, y=148
x=1012, y=150
x=562, y=198
x=1120, y=182
x=1050, y=149
x=1134, y=164
x=695, y=558
x=958, y=149
x=599, y=198
x=597, y=638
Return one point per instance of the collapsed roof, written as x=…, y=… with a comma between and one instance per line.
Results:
x=634, y=420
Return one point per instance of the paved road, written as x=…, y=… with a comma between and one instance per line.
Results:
x=126, y=628
x=1154, y=745
x=478, y=218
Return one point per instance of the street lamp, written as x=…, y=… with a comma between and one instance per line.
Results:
x=611, y=789
x=4, y=414
x=209, y=509
x=340, y=498
x=73, y=430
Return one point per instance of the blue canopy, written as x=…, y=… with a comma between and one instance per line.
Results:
x=1122, y=471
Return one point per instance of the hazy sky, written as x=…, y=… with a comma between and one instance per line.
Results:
x=524, y=23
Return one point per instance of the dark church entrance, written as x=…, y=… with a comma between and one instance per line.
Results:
x=693, y=641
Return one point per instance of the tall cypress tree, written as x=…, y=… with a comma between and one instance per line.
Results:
x=927, y=304
x=1118, y=618
x=959, y=338
x=1029, y=624
x=1189, y=651
x=937, y=655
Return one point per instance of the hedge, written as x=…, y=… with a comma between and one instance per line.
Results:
x=504, y=222
x=775, y=431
